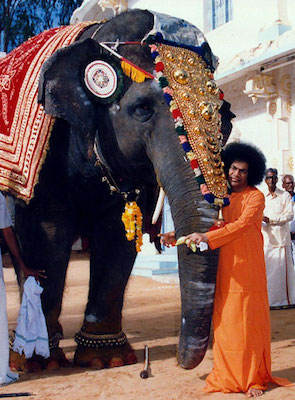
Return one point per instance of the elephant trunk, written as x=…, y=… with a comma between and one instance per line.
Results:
x=197, y=271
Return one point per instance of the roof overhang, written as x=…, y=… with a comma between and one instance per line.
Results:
x=264, y=63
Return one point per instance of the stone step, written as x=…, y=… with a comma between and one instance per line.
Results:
x=150, y=265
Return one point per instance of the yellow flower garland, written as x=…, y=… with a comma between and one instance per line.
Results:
x=132, y=219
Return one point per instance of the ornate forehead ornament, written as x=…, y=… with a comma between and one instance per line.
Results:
x=101, y=79
x=194, y=100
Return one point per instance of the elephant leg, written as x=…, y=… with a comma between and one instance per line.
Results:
x=101, y=342
x=46, y=239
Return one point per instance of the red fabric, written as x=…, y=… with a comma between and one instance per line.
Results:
x=159, y=67
x=176, y=113
x=194, y=164
x=24, y=127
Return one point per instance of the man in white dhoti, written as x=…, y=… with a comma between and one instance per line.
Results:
x=280, y=272
x=6, y=375
x=288, y=185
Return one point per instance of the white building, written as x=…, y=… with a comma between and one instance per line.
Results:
x=255, y=43
x=257, y=53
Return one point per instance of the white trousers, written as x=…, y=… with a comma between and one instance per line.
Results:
x=280, y=275
x=6, y=375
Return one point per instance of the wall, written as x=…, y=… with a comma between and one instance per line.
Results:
x=191, y=11
x=269, y=124
x=250, y=18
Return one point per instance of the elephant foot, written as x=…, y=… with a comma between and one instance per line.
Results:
x=103, y=351
x=33, y=366
x=17, y=361
x=57, y=360
x=104, y=358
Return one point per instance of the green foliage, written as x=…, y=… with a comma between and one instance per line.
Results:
x=21, y=19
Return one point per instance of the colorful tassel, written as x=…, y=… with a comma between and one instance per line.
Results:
x=135, y=73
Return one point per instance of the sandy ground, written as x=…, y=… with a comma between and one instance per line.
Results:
x=151, y=317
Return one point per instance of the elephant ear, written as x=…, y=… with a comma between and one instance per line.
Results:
x=77, y=77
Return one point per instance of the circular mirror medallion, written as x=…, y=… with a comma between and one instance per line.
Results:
x=101, y=79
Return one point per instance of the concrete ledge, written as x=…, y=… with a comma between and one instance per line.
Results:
x=151, y=265
x=273, y=32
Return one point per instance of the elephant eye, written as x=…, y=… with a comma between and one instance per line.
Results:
x=142, y=110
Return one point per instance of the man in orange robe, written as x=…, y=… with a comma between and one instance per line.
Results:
x=241, y=322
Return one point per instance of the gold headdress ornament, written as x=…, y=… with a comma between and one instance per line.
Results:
x=194, y=99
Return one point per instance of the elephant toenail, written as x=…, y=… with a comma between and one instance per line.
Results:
x=116, y=362
x=96, y=363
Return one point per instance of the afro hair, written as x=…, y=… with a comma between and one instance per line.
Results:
x=237, y=151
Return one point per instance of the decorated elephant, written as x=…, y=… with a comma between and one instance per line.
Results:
x=124, y=107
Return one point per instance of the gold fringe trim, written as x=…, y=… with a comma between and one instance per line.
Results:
x=132, y=72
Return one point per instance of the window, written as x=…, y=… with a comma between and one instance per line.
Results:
x=217, y=13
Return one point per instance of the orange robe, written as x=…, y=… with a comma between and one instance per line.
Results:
x=241, y=321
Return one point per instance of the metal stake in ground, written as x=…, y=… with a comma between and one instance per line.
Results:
x=20, y=394
x=145, y=373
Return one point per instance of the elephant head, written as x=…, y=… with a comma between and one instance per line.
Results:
x=131, y=130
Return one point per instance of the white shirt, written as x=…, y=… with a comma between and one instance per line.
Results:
x=292, y=223
x=279, y=210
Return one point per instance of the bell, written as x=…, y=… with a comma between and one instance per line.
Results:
x=181, y=76
x=169, y=56
x=191, y=61
x=211, y=86
x=207, y=110
x=191, y=112
x=201, y=90
x=185, y=95
x=220, y=219
x=197, y=130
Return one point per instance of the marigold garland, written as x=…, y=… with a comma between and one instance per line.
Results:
x=132, y=219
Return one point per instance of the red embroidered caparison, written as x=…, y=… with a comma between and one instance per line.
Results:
x=24, y=127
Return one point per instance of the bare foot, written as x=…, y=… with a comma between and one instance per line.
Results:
x=252, y=392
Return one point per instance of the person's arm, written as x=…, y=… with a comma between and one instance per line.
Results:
x=287, y=215
x=221, y=236
x=12, y=243
x=252, y=213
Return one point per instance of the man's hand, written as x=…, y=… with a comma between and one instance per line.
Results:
x=167, y=239
x=195, y=237
x=36, y=273
x=265, y=219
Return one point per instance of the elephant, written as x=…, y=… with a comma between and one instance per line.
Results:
x=104, y=151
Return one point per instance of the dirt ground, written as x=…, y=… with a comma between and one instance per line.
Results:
x=151, y=317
